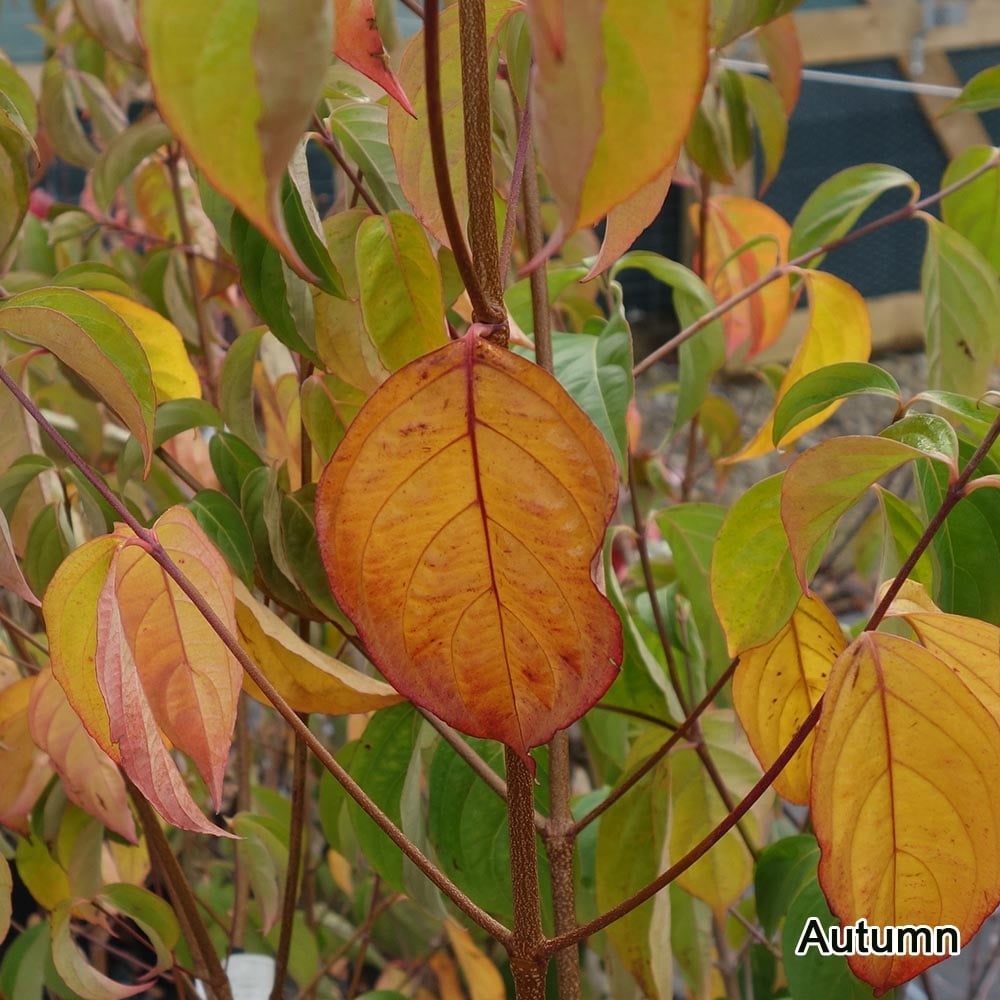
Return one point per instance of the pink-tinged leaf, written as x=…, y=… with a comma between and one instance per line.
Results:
x=24, y=767
x=823, y=482
x=549, y=16
x=144, y=756
x=72, y=965
x=779, y=45
x=357, y=41
x=90, y=778
x=627, y=221
x=191, y=680
x=610, y=112
x=11, y=577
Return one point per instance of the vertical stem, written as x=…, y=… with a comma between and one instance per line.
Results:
x=204, y=331
x=241, y=882
x=528, y=971
x=477, y=113
x=560, y=846
x=535, y=239
x=183, y=899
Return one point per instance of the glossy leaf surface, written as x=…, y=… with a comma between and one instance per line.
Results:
x=458, y=522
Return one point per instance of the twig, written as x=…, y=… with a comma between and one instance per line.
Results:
x=517, y=174
x=326, y=140
x=439, y=159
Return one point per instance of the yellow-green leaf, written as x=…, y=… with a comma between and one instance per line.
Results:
x=92, y=340
x=839, y=330
x=823, y=482
x=25, y=768
x=610, y=113
x=6, y=889
x=309, y=680
x=904, y=801
x=458, y=522
x=722, y=875
x=174, y=376
x=238, y=83
x=776, y=686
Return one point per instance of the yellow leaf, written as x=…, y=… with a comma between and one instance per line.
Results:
x=90, y=778
x=237, y=83
x=904, y=798
x=732, y=223
x=912, y=596
x=839, y=330
x=174, y=376
x=481, y=975
x=725, y=872
x=459, y=522
x=777, y=684
x=24, y=766
x=310, y=681
x=610, y=112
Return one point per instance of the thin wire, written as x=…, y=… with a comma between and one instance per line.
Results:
x=853, y=80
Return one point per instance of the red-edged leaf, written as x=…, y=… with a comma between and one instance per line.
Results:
x=357, y=41
x=459, y=522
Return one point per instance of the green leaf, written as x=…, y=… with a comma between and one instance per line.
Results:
x=236, y=400
x=966, y=548
x=691, y=530
x=901, y=532
x=278, y=295
x=517, y=297
x=91, y=275
x=754, y=588
x=974, y=413
x=400, y=289
x=328, y=407
x=597, y=372
x=961, y=312
x=363, y=132
x=379, y=763
x=253, y=493
x=6, y=886
x=232, y=461
x=16, y=94
x=172, y=418
x=299, y=534
x=832, y=209
x=929, y=433
x=974, y=209
x=783, y=870
x=242, y=115
x=768, y=112
x=91, y=340
x=813, y=975
x=631, y=851
x=123, y=154
x=154, y=915
x=264, y=850
x=824, y=482
x=50, y=540
x=22, y=974
x=702, y=355
x=58, y=105
x=732, y=18
x=467, y=824
x=981, y=93
x=815, y=391
x=641, y=684
x=16, y=479
x=222, y=521
x=13, y=184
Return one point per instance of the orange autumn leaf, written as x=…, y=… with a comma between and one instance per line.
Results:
x=90, y=778
x=357, y=41
x=732, y=224
x=776, y=686
x=25, y=768
x=904, y=804
x=459, y=523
